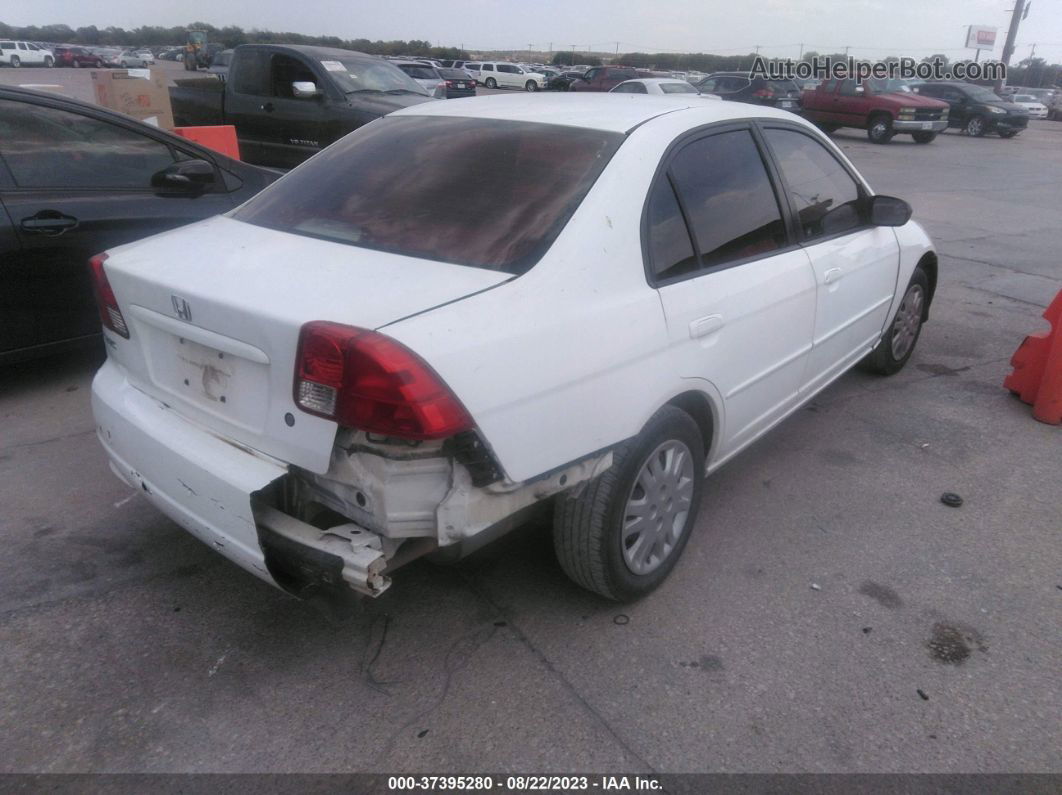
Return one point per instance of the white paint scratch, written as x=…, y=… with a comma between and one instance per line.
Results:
x=217, y=664
x=120, y=503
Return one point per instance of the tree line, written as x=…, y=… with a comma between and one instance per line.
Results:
x=229, y=36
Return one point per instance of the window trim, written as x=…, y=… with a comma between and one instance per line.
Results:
x=663, y=171
x=865, y=193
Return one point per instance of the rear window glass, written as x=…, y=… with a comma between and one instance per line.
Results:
x=418, y=72
x=390, y=186
x=454, y=74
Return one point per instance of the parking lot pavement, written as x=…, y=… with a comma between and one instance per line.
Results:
x=829, y=614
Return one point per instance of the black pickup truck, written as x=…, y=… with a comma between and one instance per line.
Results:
x=289, y=102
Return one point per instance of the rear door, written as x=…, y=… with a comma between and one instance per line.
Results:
x=738, y=294
x=856, y=265
x=80, y=184
x=18, y=321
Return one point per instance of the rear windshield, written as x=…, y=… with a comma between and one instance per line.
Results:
x=482, y=192
x=454, y=74
x=418, y=72
x=678, y=88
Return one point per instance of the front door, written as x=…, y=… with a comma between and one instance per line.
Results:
x=856, y=265
x=78, y=185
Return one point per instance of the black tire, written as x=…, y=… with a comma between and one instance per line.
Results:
x=924, y=137
x=975, y=126
x=531, y=85
x=588, y=528
x=1008, y=134
x=490, y=82
x=76, y=64
x=879, y=129
x=49, y=61
x=885, y=359
x=16, y=62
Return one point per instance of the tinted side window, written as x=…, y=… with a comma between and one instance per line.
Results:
x=829, y=86
x=825, y=197
x=670, y=248
x=631, y=88
x=287, y=70
x=487, y=67
x=728, y=197
x=50, y=148
x=251, y=73
x=848, y=88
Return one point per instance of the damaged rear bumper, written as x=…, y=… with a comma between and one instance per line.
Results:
x=211, y=488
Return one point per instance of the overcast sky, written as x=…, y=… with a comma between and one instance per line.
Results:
x=872, y=28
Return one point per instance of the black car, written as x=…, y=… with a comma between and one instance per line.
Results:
x=740, y=87
x=458, y=83
x=977, y=110
x=563, y=81
x=76, y=179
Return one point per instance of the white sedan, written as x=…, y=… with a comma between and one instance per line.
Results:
x=1036, y=109
x=659, y=86
x=344, y=373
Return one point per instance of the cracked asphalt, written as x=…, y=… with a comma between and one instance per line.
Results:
x=830, y=613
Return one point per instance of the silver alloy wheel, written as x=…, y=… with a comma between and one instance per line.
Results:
x=908, y=321
x=975, y=126
x=879, y=129
x=657, y=507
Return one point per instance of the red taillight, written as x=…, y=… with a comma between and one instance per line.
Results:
x=367, y=381
x=763, y=93
x=110, y=314
x=449, y=83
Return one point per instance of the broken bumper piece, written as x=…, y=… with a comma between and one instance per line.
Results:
x=209, y=487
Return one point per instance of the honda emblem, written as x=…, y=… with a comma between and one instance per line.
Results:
x=181, y=308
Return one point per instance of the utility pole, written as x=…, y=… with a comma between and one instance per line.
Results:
x=846, y=49
x=1012, y=32
x=801, y=56
x=573, y=56
x=757, y=49
x=529, y=46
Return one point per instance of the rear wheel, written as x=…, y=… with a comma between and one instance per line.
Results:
x=16, y=62
x=624, y=533
x=531, y=85
x=490, y=82
x=898, y=342
x=49, y=61
x=76, y=64
x=975, y=126
x=879, y=131
x=923, y=137
x=1008, y=134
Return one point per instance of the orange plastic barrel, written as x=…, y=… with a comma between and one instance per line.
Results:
x=221, y=138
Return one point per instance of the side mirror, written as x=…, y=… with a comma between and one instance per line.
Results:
x=187, y=176
x=889, y=211
x=305, y=89
x=861, y=89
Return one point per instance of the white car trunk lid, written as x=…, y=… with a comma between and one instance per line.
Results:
x=215, y=309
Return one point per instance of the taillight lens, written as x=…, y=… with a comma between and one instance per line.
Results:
x=110, y=314
x=371, y=382
x=763, y=93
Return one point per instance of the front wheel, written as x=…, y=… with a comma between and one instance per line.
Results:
x=923, y=137
x=898, y=343
x=880, y=130
x=975, y=126
x=76, y=64
x=16, y=62
x=531, y=85
x=624, y=533
x=49, y=61
x=490, y=82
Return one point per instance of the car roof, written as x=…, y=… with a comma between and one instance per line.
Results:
x=320, y=53
x=605, y=111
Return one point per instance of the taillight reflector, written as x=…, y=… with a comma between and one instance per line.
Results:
x=110, y=314
x=365, y=380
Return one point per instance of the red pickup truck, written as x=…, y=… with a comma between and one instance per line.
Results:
x=881, y=107
x=603, y=78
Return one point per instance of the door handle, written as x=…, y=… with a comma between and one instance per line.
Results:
x=48, y=222
x=703, y=326
x=832, y=276
x=268, y=107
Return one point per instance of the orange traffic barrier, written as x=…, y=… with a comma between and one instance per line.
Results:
x=1037, y=375
x=220, y=138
